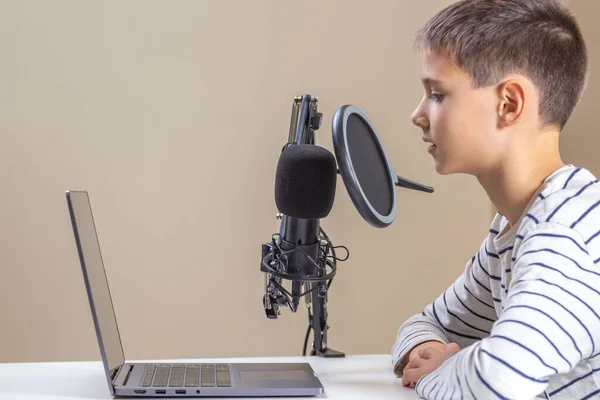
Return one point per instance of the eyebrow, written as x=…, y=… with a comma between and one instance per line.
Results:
x=431, y=81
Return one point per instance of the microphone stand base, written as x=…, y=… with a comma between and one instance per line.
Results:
x=328, y=353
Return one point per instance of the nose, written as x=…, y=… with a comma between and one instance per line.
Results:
x=419, y=118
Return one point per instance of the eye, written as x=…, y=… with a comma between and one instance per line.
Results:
x=437, y=97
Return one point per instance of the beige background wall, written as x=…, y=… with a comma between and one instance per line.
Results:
x=580, y=141
x=172, y=115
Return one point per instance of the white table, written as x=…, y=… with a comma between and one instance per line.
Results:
x=353, y=377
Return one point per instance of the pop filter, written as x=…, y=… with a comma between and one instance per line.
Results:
x=367, y=174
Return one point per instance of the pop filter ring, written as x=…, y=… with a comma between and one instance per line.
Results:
x=346, y=169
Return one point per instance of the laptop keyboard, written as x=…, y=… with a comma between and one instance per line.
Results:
x=188, y=375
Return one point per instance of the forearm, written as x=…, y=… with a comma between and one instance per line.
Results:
x=475, y=372
x=463, y=314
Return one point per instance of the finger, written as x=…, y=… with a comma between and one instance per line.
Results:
x=452, y=348
x=405, y=380
x=454, y=345
x=416, y=362
x=411, y=376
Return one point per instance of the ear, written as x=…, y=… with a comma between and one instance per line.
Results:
x=511, y=96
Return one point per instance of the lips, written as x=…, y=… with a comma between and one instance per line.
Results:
x=432, y=146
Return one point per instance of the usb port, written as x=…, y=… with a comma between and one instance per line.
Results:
x=160, y=391
x=139, y=391
x=180, y=392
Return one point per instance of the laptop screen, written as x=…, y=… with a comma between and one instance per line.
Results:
x=95, y=280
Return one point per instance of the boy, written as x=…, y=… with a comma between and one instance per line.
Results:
x=501, y=79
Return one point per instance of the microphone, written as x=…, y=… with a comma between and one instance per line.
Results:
x=305, y=184
x=305, y=181
x=304, y=193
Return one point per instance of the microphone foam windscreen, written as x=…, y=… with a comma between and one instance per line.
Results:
x=305, y=181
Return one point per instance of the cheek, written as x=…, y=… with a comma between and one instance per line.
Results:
x=472, y=124
x=483, y=108
x=446, y=124
x=438, y=119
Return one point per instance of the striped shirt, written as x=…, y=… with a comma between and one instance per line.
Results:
x=526, y=310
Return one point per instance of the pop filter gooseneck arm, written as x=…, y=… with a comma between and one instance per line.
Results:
x=408, y=184
x=405, y=183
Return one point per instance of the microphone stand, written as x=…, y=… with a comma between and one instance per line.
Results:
x=305, y=120
x=317, y=319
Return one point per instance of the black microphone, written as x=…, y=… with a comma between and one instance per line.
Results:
x=305, y=181
x=305, y=184
x=304, y=193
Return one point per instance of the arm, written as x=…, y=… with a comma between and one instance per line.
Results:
x=463, y=314
x=547, y=326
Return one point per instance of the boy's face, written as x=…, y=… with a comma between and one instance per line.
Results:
x=459, y=120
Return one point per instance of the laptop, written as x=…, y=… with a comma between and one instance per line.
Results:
x=164, y=379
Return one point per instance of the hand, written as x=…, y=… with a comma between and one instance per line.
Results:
x=427, y=360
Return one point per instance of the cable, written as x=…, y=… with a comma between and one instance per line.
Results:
x=276, y=259
x=306, y=339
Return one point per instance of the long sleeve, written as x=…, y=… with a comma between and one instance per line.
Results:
x=549, y=323
x=463, y=314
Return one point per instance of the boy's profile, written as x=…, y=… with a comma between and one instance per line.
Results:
x=501, y=80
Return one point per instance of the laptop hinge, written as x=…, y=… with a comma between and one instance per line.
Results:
x=123, y=375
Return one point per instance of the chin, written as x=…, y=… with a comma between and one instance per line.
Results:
x=446, y=168
x=441, y=168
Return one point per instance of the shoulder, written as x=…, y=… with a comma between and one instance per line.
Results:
x=570, y=202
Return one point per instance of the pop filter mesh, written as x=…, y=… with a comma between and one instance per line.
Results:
x=369, y=164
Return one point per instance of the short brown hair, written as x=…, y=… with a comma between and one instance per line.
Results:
x=537, y=38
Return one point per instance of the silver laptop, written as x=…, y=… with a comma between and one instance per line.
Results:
x=162, y=379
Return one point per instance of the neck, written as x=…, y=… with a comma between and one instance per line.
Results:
x=513, y=181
